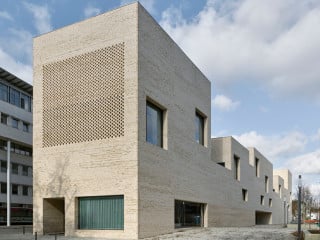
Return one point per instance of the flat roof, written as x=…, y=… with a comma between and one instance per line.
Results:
x=15, y=81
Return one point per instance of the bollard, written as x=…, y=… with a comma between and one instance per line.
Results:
x=23, y=230
x=35, y=236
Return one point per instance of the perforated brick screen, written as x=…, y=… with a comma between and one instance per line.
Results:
x=83, y=97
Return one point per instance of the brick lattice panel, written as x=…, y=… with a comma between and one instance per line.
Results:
x=83, y=97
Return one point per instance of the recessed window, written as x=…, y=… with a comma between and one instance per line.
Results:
x=154, y=121
x=270, y=202
x=25, y=102
x=15, y=123
x=3, y=187
x=199, y=133
x=105, y=212
x=4, y=92
x=3, y=166
x=236, y=169
x=245, y=195
x=280, y=192
x=15, y=168
x=4, y=118
x=14, y=189
x=25, y=127
x=266, y=184
x=257, y=166
x=25, y=190
x=262, y=200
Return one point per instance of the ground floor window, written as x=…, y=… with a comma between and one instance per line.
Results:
x=103, y=212
x=188, y=214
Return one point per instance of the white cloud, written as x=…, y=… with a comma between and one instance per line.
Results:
x=308, y=163
x=6, y=15
x=90, y=11
x=41, y=16
x=277, y=146
x=275, y=43
x=224, y=103
x=19, y=69
x=316, y=137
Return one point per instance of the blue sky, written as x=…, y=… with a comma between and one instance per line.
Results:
x=263, y=58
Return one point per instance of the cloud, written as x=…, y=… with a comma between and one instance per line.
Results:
x=90, y=11
x=42, y=17
x=277, y=146
x=6, y=15
x=224, y=103
x=21, y=70
x=273, y=43
x=308, y=163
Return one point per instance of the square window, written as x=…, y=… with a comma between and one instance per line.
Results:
x=15, y=168
x=3, y=187
x=154, y=122
x=14, y=189
x=4, y=118
x=245, y=195
x=199, y=123
x=15, y=123
x=25, y=190
x=25, y=127
x=3, y=166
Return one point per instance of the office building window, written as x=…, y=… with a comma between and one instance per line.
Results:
x=4, y=92
x=236, y=161
x=14, y=97
x=15, y=168
x=3, y=166
x=25, y=102
x=245, y=195
x=14, y=189
x=25, y=170
x=257, y=166
x=25, y=190
x=3, y=187
x=154, y=121
x=105, y=212
x=25, y=127
x=4, y=118
x=15, y=123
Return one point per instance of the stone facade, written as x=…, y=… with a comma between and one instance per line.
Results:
x=82, y=157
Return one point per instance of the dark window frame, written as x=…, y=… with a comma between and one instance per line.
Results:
x=151, y=109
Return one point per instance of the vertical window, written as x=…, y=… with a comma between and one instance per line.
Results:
x=266, y=184
x=25, y=127
x=236, y=161
x=25, y=102
x=270, y=202
x=199, y=123
x=245, y=195
x=15, y=123
x=262, y=200
x=25, y=170
x=4, y=92
x=3, y=166
x=15, y=168
x=25, y=190
x=154, y=121
x=105, y=212
x=257, y=166
x=14, y=189
x=280, y=191
x=3, y=187
x=4, y=118
x=14, y=97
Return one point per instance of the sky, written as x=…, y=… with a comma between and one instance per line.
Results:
x=262, y=57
